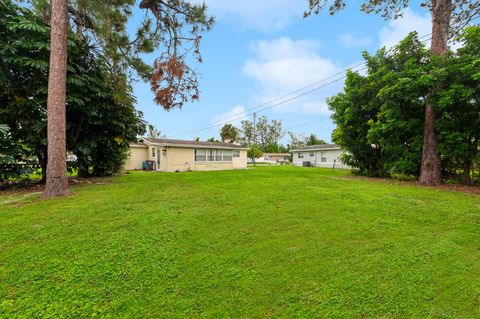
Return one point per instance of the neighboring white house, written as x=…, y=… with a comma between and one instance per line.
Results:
x=326, y=155
x=277, y=158
x=272, y=158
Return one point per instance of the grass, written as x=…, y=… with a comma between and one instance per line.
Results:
x=279, y=242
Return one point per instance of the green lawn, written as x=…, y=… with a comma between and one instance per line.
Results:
x=278, y=242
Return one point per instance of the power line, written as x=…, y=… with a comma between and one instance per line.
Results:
x=271, y=106
x=224, y=121
x=302, y=125
x=228, y=119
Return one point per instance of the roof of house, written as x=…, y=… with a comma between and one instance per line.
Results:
x=183, y=143
x=318, y=148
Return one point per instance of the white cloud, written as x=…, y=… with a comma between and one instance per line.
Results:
x=284, y=65
x=398, y=29
x=234, y=116
x=348, y=40
x=263, y=15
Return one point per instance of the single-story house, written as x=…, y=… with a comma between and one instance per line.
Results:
x=170, y=155
x=326, y=155
x=277, y=157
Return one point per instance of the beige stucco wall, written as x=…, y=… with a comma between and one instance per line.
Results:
x=183, y=159
x=136, y=158
x=180, y=159
x=240, y=162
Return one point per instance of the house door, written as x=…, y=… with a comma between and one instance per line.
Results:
x=159, y=153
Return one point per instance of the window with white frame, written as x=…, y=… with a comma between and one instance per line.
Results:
x=153, y=151
x=324, y=159
x=218, y=156
x=227, y=155
x=213, y=155
x=236, y=153
x=200, y=155
x=300, y=155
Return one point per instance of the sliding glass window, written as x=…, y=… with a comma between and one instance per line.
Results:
x=214, y=155
x=200, y=155
x=227, y=155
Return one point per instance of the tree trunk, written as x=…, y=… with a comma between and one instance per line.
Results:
x=467, y=170
x=431, y=167
x=57, y=180
x=82, y=168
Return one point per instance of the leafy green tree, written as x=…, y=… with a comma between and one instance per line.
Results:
x=459, y=106
x=10, y=154
x=247, y=136
x=352, y=111
x=171, y=30
x=299, y=140
x=404, y=85
x=99, y=125
x=312, y=139
x=101, y=140
x=229, y=134
x=254, y=152
x=380, y=116
x=267, y=132
x=174, y=26
x=296, y=140
x=153, y=132
x=275, y=148
x=448, y=17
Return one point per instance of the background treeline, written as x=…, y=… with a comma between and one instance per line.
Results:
x=264, y=136
x=380, y=114
x=101, y=118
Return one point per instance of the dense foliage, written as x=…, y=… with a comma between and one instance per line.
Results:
x=13, y=164
x=173, y=27
x=380, y=115
x=229, y=134
x=266, y=135
x=300, y=140
x=459, y=103
x=100, y=120
x=449, y=17
x=254, y=152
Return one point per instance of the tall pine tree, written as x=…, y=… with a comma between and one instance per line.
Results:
x=174, y=26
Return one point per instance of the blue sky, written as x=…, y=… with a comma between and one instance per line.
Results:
x=259, y=50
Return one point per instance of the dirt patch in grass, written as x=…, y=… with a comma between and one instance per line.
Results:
x=38, y=187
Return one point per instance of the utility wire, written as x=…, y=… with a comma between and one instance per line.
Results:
x=304, y=124
x=271, y=106
x=228, y=119
x=224, y=121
